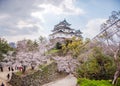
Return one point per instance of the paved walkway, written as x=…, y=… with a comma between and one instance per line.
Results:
x=3, y=77
x=70, y=80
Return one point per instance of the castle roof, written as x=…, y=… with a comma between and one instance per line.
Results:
x=78, y=32
x=60, y=31
x=62, y=27
x=64, y=22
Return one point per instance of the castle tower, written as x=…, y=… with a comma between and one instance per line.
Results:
x=62, y=31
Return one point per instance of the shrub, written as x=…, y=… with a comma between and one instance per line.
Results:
x=98, y=66
x=4, y=48
x=58, y=45
x=87, y=82
x=118, y=82
x=52, y=51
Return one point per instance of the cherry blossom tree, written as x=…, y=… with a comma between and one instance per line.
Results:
x=111, y=37
x=66, y=64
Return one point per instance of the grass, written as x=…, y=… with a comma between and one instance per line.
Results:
x=88, y=82
x=19, y=73
x=44, y=65
x=52, y=51
x=27, y=72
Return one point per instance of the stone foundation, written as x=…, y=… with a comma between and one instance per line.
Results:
x=38, y=78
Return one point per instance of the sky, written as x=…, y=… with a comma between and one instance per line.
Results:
x=28, y=19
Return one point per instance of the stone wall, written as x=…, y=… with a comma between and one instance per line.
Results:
x=38, y=78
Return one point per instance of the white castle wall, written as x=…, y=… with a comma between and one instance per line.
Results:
x=61, y=35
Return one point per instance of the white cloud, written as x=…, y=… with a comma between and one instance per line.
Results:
x=26, y=18
x=66, y=7
x=92, y=28
x=69, y=8
x=27, y=36
x=59, y=7
x=18, y=37
x=11, y=31
x=38, y=15
x=3, y=16
x=22, y=24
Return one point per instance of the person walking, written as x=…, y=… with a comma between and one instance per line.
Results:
x=1, y=67
x=9, y=68
x=12, y=69
x=2, y=84
x=8, y=76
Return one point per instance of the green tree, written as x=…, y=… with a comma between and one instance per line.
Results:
x=97, y=66
x=32, y=45
x=72, y=46
x=58, y=45
x=4, y=48
x=35, y=45
x=42, y=39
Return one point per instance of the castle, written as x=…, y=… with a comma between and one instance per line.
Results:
x=63, y=31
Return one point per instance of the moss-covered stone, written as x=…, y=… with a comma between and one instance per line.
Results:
x=49, y=73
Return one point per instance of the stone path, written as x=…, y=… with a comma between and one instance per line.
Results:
x=3, y=77
x=70, y=80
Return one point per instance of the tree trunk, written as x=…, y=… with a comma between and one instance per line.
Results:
x=117, y=73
